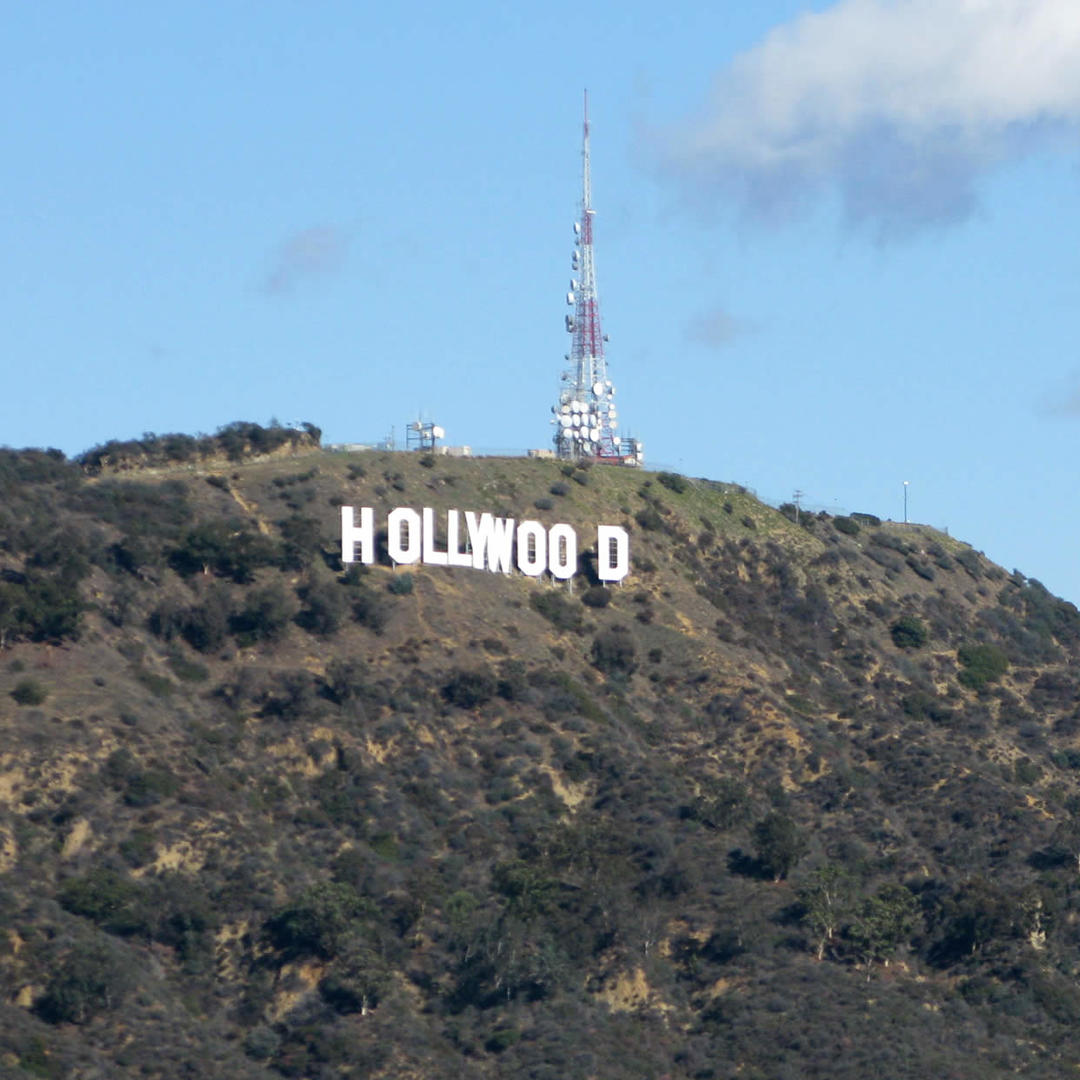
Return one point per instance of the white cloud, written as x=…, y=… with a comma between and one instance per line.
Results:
x=898, y=105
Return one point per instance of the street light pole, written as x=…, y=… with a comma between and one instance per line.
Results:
x=905, y=502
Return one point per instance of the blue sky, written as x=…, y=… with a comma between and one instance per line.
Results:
x=836, y=242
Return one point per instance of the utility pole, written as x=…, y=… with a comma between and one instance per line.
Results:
x=797, y=496
x=905, y=502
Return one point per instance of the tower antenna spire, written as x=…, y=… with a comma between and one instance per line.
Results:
x=585, y=416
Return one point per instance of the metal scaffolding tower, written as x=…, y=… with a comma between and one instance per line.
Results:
x=586, y=418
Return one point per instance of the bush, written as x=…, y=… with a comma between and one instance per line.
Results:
x=324, y=606
x=846, y=525
x=319, y=922
x=909, y=633
x=613, y=651
x=673, y=482
x=92, y=979
x=556, y=609
x=266, y=615
x=370, y=610
x=29, y=692
x=981, y=664
x=596, y=596
x=779, y=845
x=402, y=584
x=470, y=689
x=111, y=900
x=544, y=504
x=559, y=488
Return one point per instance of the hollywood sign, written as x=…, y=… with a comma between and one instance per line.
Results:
x=486, y=543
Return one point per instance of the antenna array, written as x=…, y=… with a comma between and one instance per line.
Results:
x=586, y=419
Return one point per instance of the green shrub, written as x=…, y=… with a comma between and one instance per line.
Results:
x=90, y=980
x=266, y=615
x=846, y=525
x=401, y=584
x=673, y=482
x=29, y=692
x=319, y=922
x=112, y=900
x=613, y=651
x=370, y=610
x=469, y=689
x=909, y=633
x=981, y=664
x=779, y=845
x=559, y=488
x=187, y=670
x=596, y=596
x=325, y=604
x=556, y=609
x=544, y=504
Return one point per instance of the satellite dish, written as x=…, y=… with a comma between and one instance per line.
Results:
x=565, y=420
x=438, y=433
x=577, y=420
x=598, y=388
x=565, y=408
x=594, y=434
x=570, y=298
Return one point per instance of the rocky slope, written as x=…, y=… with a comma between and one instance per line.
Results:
x=791, y=800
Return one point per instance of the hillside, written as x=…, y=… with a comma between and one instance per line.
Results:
x=793, y=800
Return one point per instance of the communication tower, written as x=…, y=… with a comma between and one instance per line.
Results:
x=586, y=419
x=423, y=435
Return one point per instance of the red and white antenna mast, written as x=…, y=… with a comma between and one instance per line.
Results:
x=585, y=416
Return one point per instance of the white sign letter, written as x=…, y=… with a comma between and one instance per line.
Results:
x=612, y=553
x=532, y=548
x=492, y=542
x=353, y=534
x=562, y=552
x=395, y=544
x=431, y=556
x=454, y=555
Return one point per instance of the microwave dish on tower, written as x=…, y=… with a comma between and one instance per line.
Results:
x=588, y=394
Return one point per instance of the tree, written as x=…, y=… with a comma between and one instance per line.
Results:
x=883, y=922
x=779, y=844
x=325, y=605
x=1065, y=841
x=265, y=616
x=358, y=978
x=827, y=898
x=90, y=980
x=320, y=922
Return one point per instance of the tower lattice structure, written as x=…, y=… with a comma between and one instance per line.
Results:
x=586, y=419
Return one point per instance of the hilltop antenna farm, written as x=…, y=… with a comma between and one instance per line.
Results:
x=586, y=419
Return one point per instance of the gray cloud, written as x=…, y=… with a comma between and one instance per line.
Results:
x=714, y=329
x=1064, y=401
x=898, y=107
x=313, y=252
